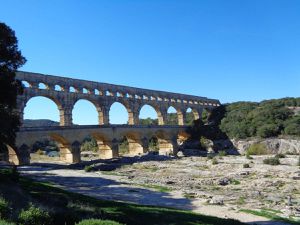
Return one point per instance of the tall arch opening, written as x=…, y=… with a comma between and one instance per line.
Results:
x=41, y=111
x=190, y=116
x=85, y=113
x=148, y=116
x=172, y=116
x=118, y=114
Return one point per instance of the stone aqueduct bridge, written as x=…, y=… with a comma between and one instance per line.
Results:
x=65, y=92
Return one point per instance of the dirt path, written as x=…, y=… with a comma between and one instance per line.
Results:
x=109, y=187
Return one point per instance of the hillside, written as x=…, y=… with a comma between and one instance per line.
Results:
x=40, y=123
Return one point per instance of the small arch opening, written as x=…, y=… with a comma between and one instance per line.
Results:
x=97, y=92
x=25, y=84
x=57, y=88
x=43, y=86
x=85, y=91
x=72, y=89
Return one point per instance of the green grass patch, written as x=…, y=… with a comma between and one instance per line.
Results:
x=271, y=214
x=157, y=187
x=257, y=149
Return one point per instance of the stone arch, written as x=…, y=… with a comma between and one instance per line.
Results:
x=97, y=107
x=158, y=112
x=13, y=157
x=49, y=97
x=107, y=148
x=165, y=143
x=135, y=143
x=124, y=105
x=191, y=115
x=179, y=116
x=147, y=118
x=68, y=151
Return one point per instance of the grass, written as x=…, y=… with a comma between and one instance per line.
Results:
x=274, y=161
x=271, y=214
x=157, y=187
x=67, y=208
x=241, y=200
x=257, y=149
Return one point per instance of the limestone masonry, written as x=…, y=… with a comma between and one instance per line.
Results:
x=65, y=92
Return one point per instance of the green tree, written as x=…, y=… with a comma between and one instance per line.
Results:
x=10, y=60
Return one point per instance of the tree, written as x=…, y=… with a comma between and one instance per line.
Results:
x=10, y=60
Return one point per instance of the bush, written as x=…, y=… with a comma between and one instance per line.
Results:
x=222, y=153
x=280, y=156
x=246, y=165
x=210, y=156
x=214, y=161
x=257, y=149
x=34, y=216
x=98, y=222
x=272, y=161
x=4, y=209
x=268, y=130
x=89, y=168
x=40, y=152
x=2, y=222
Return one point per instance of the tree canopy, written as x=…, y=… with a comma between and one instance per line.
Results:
x=10, y=60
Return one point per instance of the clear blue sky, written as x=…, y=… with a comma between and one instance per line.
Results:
x=231, y=50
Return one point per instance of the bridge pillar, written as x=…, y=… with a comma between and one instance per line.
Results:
x=167, y=146
x=20, y=156
x=181, y=117
x=69, y=155
x=65, y=115
x=108, y=150
x=163, y=118
x=105, y=116
x=133, y=118
x=135, y=148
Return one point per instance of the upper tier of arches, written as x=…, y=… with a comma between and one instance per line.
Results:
x=66, y=92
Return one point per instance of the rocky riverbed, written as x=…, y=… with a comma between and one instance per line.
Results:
x=219, y=187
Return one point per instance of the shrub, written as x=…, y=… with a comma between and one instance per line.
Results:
x=4, y=209
x=89, y=168
x=210, y=156
x=98, y=222
x=257, y=149
x=34, y=216
x=222, y=153
x=2, y=222
x=246, y=165
x=280, y=156
x=214, y=161
x=40, y=152
x=272, y=161
x=268, y=130
x=248, y=156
